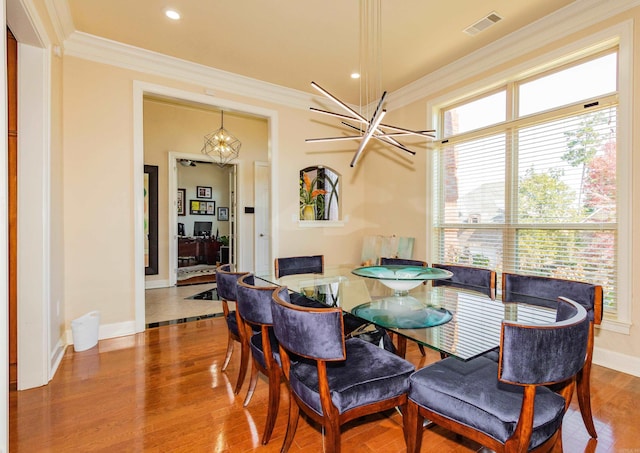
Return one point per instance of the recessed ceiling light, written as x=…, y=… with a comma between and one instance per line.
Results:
x=172, y=14
x=355, y=75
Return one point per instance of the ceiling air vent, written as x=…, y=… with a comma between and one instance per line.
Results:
x=483, y=24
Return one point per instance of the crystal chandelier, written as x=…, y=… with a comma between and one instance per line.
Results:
x=368, y=124
x=221, y=145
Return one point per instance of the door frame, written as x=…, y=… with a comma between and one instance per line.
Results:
x=142, y=89
x=172, y=265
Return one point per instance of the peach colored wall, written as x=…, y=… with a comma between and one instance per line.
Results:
x=98, y=187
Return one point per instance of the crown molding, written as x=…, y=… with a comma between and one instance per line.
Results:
x=570, y=19
x=100, y=50
x=60, y=17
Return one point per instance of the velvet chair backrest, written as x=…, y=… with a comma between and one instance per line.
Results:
x=227, y=282
x=401, y=261
x=544, y=291
x=469, y=277
x=545, y=354
x=313, y=264
x=254, y=302
x=316, y=333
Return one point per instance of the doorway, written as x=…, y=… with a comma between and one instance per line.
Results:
x=205, y=219
x=266, y=149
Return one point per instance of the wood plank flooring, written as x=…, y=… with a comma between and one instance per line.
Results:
x=163, y=391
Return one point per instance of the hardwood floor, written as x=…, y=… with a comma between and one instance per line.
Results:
x=163, y=391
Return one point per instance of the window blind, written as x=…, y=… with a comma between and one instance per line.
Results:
x=537, y=196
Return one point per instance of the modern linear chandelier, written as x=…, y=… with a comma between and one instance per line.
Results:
x=221, y=145
x=370, y=89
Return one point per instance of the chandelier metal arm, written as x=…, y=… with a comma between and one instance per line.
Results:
x=373, y=125
x=333, y=139
x=398, y=145
x=425, y=133
x=382, y=137
x=339, y=102
x=337, y=115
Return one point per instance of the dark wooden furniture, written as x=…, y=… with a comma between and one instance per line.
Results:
x=196, y=250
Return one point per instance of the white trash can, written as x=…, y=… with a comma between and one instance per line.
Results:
x=85, y=331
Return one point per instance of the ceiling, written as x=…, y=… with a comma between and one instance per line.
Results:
x=293, y=42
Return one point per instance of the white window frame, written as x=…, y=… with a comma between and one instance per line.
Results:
x=622, y=36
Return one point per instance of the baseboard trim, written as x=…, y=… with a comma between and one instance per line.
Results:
x=155, y=284
x=56, y=357
x=106, y=331
x=617, y=361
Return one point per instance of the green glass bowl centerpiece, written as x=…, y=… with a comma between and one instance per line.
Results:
x=401, y=279
x=402, y=312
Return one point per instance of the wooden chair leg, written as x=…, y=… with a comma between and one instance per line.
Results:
x=244, y=364
x=421, y=350
x=227, y=357
x=583, y=389
x=252, y=384
x=274, y=403
x=292, y=425
x=412, y=421
x=332, y=436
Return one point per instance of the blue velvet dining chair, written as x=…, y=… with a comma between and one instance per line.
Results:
x=314, y=264
x=544, y=291
x=333, y=380
x=505, y=406
x=292, y=265
x=469, y=277
x=402, y=262
x=254, y=307
x=226, y=283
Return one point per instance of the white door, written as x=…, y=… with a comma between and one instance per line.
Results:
x=262, y=219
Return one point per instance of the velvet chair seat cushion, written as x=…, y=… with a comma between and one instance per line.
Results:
x=232, y=323
x=368, y=374
x=471, y=393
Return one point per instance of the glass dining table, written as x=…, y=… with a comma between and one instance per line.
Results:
x=454, y=321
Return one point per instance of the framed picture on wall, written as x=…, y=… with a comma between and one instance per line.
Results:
x=204, y=192
x=180, y=203
x=223, y=214
x=198, y=207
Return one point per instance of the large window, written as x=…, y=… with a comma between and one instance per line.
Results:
x=525, y=177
